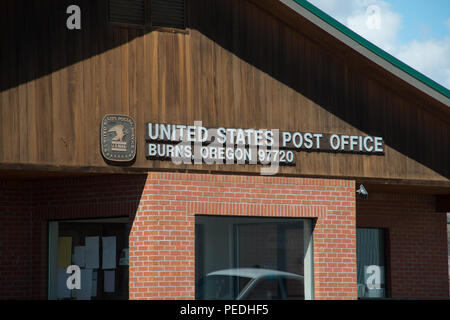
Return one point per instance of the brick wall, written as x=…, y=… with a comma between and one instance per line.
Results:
x=15, y=240
x=162, y=207
x=417, y=249
x=27, y=206
x=25, y=209
x=162, y=241
x=448, y=248
x=77, y=198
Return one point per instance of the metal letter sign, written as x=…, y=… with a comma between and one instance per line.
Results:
x=118, y=138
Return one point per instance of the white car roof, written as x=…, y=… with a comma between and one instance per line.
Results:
x=253, y=273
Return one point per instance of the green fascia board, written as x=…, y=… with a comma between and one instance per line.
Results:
x=370, y=46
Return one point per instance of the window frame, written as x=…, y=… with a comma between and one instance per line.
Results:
x=308, y=234
x=52, y=246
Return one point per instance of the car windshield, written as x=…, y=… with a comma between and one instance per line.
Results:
x=221, y=287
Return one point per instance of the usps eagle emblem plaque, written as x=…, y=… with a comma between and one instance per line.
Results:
x=118, y=138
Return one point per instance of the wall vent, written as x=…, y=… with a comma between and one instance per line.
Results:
x=168, y=14
x=127, y=11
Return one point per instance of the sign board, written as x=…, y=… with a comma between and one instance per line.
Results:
x=248, y=146
x=196, y=144
x=118, y=138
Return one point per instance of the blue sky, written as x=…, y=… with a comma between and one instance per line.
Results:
x=415, y=31
x=422, y=19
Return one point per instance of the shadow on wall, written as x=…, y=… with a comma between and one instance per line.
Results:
x=35, y=42
x=26, y=207
x=264, y=42
x=15, y=240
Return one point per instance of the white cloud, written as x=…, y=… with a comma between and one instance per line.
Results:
x=340, y=9
x=447, y=77
x=379, y=27
x=431, y=57
x=447, y=23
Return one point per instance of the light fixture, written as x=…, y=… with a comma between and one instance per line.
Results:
x=363, y=194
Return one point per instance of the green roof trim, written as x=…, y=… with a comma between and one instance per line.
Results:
x=375, y=49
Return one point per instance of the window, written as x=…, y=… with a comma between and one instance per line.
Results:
x=293, y=288
x=99, y=247
x=370, y=244
x=266, y=289
x=253, y=258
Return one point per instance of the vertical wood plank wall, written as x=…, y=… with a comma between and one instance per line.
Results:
x=236, y=66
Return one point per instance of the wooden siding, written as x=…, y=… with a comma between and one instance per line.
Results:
x=236, y=66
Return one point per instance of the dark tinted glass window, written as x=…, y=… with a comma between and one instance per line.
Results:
x=221, y=287
x=99, y=247
x=241, y=257
x=266, y=289
x=293, y=288
x=370, y=250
